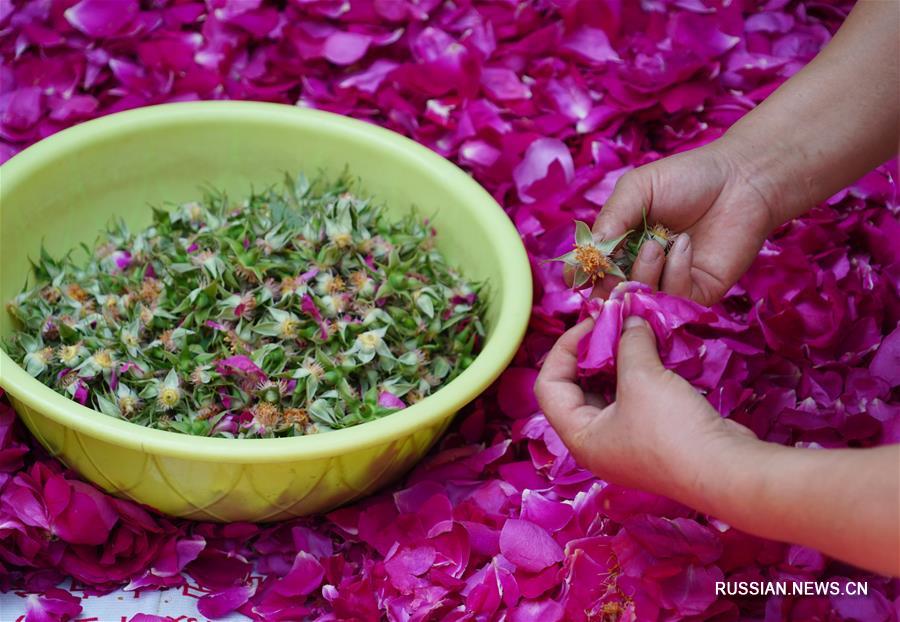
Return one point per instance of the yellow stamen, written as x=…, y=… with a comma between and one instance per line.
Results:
x=246, y=274
x=127, y=405
x=413, y=396
x=359, y=279
x=69, y=354
x=289, y=285
x=267, y=415
x=336, y=285
x=296, y=416
x=169, y=397
x=103, y=359
x=592, y=261
x=662, y=232
x=289, y=328
x=342, y=240
x=369, y=340
x=76, y=292
x=50, y=294
x=207, y=411
x=315, y=370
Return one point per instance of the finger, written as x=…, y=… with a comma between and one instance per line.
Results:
x=604, y=286
x=556, y=388
x=648, y=266
x=625, y=207
x=676, y=278
x=637, y=351
x=592, y=399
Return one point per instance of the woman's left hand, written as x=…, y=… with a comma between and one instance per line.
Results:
x=657, y=434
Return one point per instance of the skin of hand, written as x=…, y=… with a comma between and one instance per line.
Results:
x=662, y=436
x=722, y=217
x=634, y=441
x=820, y=131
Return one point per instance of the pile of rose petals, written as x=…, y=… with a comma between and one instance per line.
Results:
x=546, y=103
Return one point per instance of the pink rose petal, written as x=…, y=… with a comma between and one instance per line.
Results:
x=528, y=546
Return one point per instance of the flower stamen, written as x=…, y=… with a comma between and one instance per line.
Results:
x=593, y=261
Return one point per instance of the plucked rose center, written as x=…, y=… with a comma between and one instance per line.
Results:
x=342, y=240
x=169, y=396
x=103, y=359
x=68, y=354
x=592, y=260
x=289, y=327
x=127, y=404
x=661, y=232
x=370, y=340
x=266, y=414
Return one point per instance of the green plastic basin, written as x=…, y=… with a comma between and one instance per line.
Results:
x=65, y=189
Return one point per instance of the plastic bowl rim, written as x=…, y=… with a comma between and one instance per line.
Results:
x=514, y=294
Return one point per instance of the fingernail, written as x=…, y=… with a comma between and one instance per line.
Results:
x=633, y=321
x=682, y=243
x=650, y=251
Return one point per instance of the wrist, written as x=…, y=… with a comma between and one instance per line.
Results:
x=721, y=479
x=770, y=169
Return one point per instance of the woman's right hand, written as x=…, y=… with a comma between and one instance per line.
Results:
x=719, y=204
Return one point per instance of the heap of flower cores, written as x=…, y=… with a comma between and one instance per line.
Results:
x=546, y=104
x=294, y=311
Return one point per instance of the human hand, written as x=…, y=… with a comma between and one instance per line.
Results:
x=659, y=435
x=719, y=203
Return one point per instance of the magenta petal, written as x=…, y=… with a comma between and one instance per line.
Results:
x=79, y=513
x=549, y=514
x=78, y=106
x=304, y=577
x=591, y=45
x=220, y=604
x=407, y=564
x=54, y=605
x=688, y=592
x=886, y=362
x=345, y=48
x=537, y=161
x=240, y=365
x=102, y=18
x=597, y=351
x=503, y=84
x=516, y=395
x=679, y=537
x=528, y=546
x=478, y=152
x=537, y=611
x=701, y=33
x=20, y=109
x=386, y=399
x=230, y=9
x=177, y=555
x=215, y=569
x=370, y=79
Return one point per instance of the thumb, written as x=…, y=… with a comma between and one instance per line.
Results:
x=625, y=207
x=637, y=349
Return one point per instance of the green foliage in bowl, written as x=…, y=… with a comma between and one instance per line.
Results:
x=300, y=309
